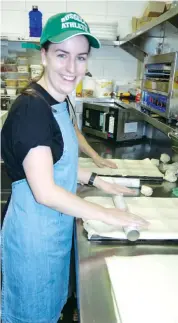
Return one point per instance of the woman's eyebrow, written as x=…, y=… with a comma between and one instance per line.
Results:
x=65, y=52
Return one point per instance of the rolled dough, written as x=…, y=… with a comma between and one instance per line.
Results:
x=161, y=213
x=165, y=158
x=170, y=176
x=126, y=167
x=146, y=190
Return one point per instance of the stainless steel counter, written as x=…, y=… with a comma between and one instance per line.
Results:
x=94, y=288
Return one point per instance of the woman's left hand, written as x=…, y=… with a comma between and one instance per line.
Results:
x=112, y=188
x=102, y=162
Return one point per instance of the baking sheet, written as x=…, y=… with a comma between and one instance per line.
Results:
x=126, y=168
x=145, y=288
x=162, y=214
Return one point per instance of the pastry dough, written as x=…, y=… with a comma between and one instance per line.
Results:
x=161, y=213
x=155, y=162
x=173, y=167
x=129, y=182
x=163, y=167
x=170, y=176
x=168, y=186
x=119, y=202
x=145, y=287
x=146, y=190
x=126, y=167
x=165, y=158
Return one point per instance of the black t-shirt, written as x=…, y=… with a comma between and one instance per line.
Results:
x=30, y=123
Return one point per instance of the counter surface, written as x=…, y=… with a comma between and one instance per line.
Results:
x=94, y=288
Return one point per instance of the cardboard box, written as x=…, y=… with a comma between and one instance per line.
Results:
x=134, y=24
x=138, y=23
x=142, y=22
x=154, y=9
x=168, y=6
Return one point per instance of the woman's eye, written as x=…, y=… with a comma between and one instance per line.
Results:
x=81, y=58
x=61, y=55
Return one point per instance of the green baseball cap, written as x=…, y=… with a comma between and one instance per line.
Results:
x=66, y=25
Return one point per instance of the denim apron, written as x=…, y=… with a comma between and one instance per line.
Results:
x=36, y=242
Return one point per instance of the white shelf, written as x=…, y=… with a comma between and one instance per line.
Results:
x=20, y=38
x=36, y=40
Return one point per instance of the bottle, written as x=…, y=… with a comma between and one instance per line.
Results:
x=138, y=95
x=79, y=89
x=35, y=22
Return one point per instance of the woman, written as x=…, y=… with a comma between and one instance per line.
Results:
x=40, y=150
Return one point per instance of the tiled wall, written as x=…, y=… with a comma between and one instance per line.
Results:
x=108, y=62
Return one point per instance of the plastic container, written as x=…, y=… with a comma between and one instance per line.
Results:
x=35, y=22
x=11, y=58
x=79, y=89
x=11, y=75
x=36, y=70
x=22, y=61
x=11, y=90
x=2, y=68
x=3, y=84
x=22, y=83
x=22, y=76
x=11, y=82
x=103, y=88
x=138, y=95
x=22, y=68
x=10, y=67
x=88, y=87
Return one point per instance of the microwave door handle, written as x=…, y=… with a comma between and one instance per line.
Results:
x=104, y=121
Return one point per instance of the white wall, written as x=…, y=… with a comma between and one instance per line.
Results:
x=109, y=61
x=15, y=13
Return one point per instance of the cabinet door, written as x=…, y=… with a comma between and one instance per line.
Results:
x=13, y=23
x=79, y=120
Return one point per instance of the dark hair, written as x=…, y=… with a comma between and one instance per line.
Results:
x=28, y=90
x=47, y=44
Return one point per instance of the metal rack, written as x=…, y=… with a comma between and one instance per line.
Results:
x=133, y=43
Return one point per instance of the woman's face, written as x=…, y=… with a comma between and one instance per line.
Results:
x=66, y=63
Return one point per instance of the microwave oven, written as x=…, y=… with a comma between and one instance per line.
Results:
x=112, y=122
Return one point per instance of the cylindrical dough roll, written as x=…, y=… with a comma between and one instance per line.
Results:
x=132, y=233
x=119, y=202
x=129, y=182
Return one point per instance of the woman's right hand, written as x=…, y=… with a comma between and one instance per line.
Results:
x=120, y=218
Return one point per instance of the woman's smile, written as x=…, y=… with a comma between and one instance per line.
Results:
x=68, y=78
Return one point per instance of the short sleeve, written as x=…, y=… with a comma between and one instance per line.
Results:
x=31, y=126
